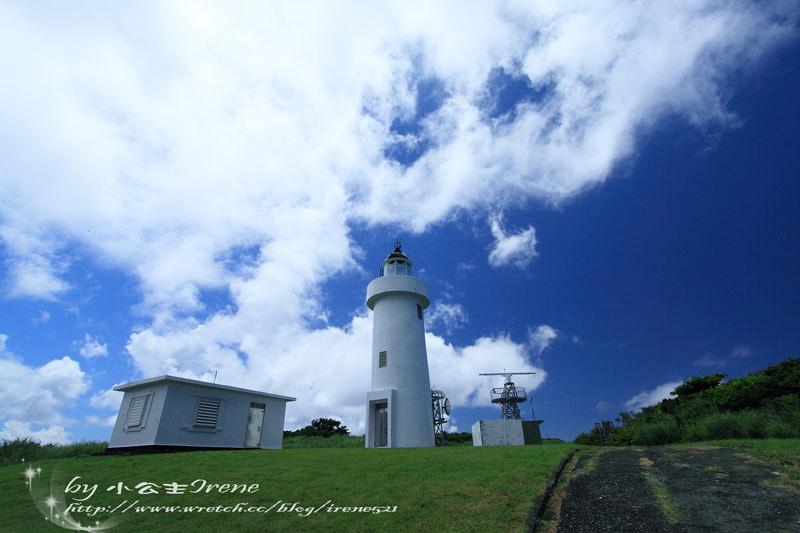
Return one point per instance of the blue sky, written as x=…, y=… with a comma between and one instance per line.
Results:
x=605, y=195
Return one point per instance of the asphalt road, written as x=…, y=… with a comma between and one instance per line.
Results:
x=678, y=489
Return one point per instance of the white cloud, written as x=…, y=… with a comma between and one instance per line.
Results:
x=741, y=351
x=455, y=370
x=207, y=136
x=53, y=434
x=449, y=316
x=90, y=347
x=3, y=339
x=108, y=421
x=541, y=337
x=652, y=397
x=517, y=249
x=36, y=395
x=43, y=317
x=109, y=399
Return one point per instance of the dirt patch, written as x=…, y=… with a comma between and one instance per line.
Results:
x=678, y=489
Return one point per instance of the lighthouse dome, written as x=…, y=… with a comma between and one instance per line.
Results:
x=396, y=263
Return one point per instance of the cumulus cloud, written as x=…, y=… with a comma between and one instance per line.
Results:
x=197, y=149
x=205, y=146
x=449, y=316
x=90, y=347
x=36, y=395
x=109, y=399
x=652, y=397
x=108, y=421
x=455, y=370
x=3, y=339
x=516, y=249
x=541, y=337
x=53, y=434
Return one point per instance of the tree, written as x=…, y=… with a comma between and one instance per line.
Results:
x=323, y=427
x=698, y=384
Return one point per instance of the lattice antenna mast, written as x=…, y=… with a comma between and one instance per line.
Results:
x=441, y=407
x=509, y=396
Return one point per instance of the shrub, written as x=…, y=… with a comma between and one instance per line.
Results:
x=665, y=431
x=334, y=441
x=588, y=439
x=750, y=424
x=14, y=451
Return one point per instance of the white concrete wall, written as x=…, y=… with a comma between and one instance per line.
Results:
x=497, y=433
x=398, y=330
x=146, y=435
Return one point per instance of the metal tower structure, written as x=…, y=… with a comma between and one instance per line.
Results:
x=439, y=404
x=508, y=396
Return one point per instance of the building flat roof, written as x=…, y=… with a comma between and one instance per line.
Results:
x=159, y=379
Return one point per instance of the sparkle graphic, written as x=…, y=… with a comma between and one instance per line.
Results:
x=50, y=502
x=53, y=506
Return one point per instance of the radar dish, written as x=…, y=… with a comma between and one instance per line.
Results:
x=447, y=406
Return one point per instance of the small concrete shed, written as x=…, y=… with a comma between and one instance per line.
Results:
x=169, y=412
x=506, y=432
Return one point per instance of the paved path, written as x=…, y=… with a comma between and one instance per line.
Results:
x=700, y=489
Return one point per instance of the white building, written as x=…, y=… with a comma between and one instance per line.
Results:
x=399, y=411
x=170, y=412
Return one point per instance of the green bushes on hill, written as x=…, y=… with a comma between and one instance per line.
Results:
x=761, y=405
x=14, y=451
x=320, y=427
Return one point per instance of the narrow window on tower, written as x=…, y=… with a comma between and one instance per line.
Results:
x=382, y=360
x=419, y=311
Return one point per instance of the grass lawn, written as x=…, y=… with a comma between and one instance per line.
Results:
x=453, y=488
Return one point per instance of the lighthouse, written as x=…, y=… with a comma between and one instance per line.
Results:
x=399, y=411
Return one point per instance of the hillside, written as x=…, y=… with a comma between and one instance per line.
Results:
x=323, y=489
x=763, y=404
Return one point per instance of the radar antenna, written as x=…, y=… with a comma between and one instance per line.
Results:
x=439, y=404
x=508, y=396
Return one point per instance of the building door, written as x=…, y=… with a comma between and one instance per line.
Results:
x=252, y=438
x=381, y=437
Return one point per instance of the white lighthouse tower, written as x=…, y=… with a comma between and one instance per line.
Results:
x=399, y=411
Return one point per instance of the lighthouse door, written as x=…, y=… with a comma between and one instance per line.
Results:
x=381, y=437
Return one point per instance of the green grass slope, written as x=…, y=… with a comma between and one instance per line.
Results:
x=448, y=489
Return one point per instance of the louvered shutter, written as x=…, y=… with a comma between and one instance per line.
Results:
x=136, y=411
x=207, y=413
